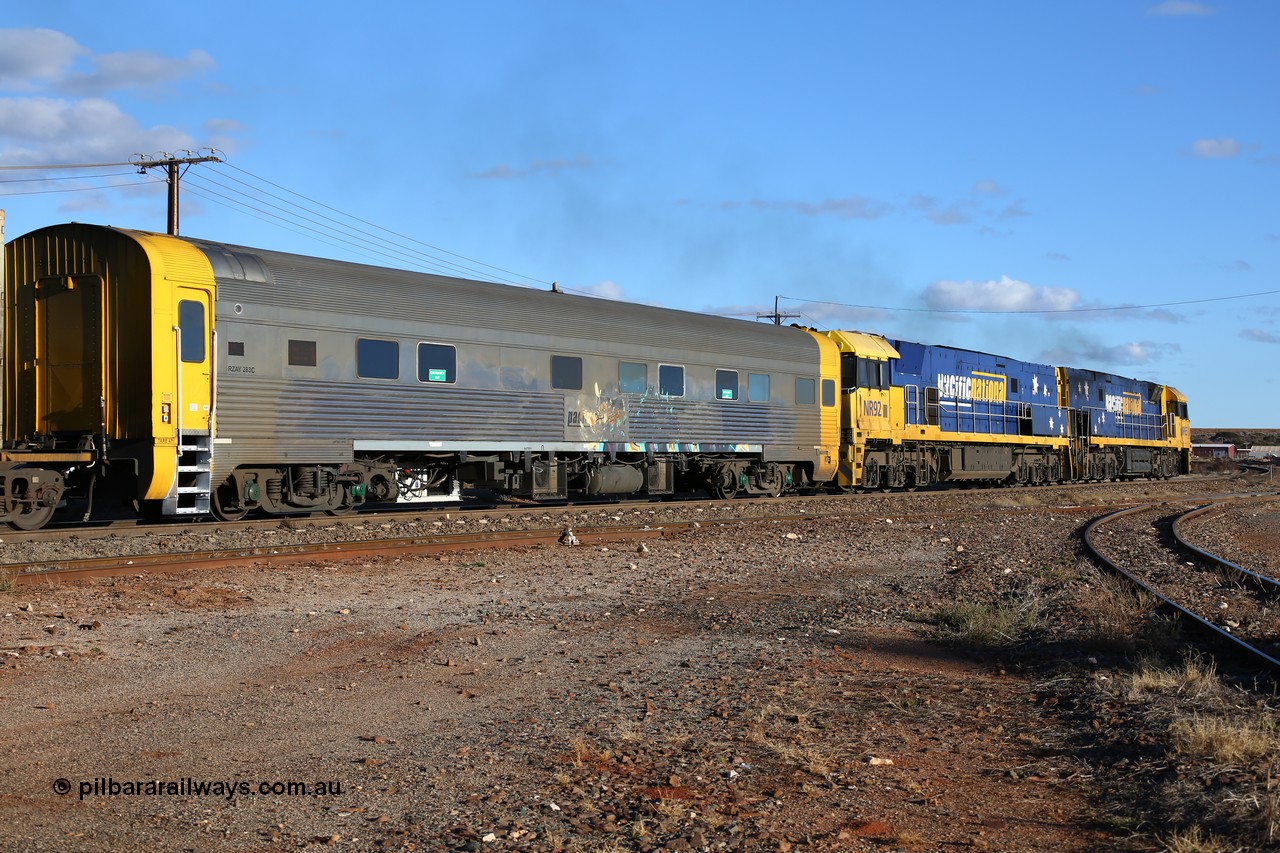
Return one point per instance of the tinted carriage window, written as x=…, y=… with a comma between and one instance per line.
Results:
x=302, y=353
x=437, y=363
x=377, y=359
x=726, y=384
x=235, y=347
x=566, y=372
x=670, y=380
x=191, y=324
x=828, y=392
x=806, y=392
x=758, y=387
x=632, y=378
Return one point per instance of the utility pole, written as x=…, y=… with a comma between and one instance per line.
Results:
x=776, y=317
x=171, y=163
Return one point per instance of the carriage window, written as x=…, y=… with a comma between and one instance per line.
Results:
x=566, y=372
x=302, y=353
x=670, y=380
x=805, y=392
x=1013, y=385
x=726, y=384
x=828, y=393
x=377, y=359
x=191, y=324
x=437, y=363
x=758, y=387
x=235, y=347
x=632, y=378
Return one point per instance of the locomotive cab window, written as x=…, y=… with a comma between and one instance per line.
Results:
x=437, y=363
x=873, y=374
x=806, y=392
x=191, y=326
x=633, y=378
x=758, y=387
x=377, y=359
x=302, y=353
x=726, y=384
x=566, y=372
x=671, y=380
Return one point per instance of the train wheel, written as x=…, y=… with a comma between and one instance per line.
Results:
x=226, y=504
x=30, y=516
x=339, y=510
x=725, y=486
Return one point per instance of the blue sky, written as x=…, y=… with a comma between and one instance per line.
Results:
x=932, y=171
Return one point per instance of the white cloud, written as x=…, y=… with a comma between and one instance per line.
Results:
x=1215, y=149
x=1262, y=336
x=52, y=130
x=606, y=289
x=851, y=207
x=1179, y=8
x=1108, y=357
x=554, y=167
x=989, y=187
x=136, y=69
x=54, y=107
x=1007, y=294
x=31, y=58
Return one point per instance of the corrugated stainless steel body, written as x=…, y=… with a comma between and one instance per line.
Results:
x=269, y=411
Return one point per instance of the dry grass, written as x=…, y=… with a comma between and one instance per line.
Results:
x=1195, y=840
x=583, y=754
x=1196, y=677
x=971, y=624
x=6, y=580
x=1116, y=609
x=1225, y=740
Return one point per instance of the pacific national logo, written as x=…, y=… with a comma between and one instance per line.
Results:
x=1124, y=404
x=982, y=387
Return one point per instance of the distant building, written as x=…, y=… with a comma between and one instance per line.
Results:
x=1265, y=453
x=1213, y=451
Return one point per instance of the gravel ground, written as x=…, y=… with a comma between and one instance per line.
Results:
x=913, y=672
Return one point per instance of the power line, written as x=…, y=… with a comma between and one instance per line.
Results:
x=47, y=180
x=389, y=231
x=293, y=216
x=57, y=166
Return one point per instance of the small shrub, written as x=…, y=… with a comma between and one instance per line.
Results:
x=1226, y=741
x=968, y=623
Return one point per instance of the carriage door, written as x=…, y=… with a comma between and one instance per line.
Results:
x=194, y=331
x=69, y=364
x=193, y=402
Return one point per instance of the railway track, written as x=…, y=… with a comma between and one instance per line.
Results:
x=131, y=526
x=21, y=574
x=129, y=547
x=1236, y=606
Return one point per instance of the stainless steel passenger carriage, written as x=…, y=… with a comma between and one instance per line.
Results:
x=396, y=384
